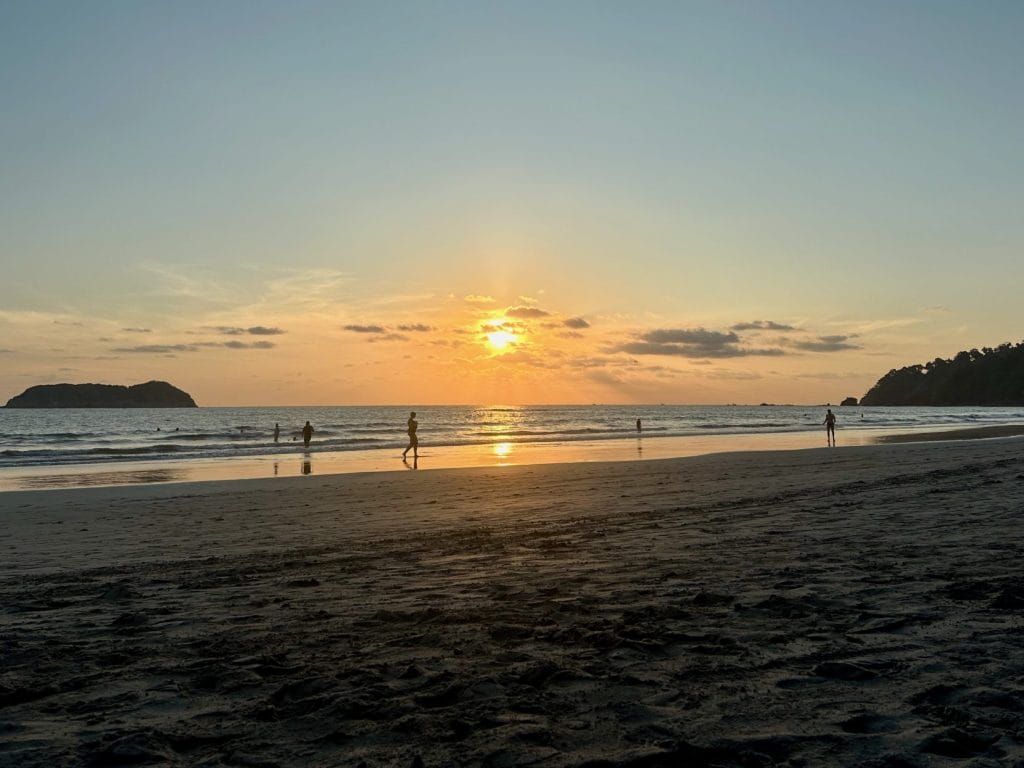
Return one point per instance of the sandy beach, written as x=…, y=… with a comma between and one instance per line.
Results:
x=857, y=606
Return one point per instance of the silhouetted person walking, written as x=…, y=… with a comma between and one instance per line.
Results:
x=277, y=431
x=638, y=427
x=413, y=441
x=830, y=428
x=307, y=434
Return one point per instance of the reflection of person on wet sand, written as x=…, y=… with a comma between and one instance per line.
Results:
x=307, y=434
x=413, y=441
x=830, y=428
x=307, y=466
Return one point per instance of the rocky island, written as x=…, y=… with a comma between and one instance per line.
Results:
x=152, y=394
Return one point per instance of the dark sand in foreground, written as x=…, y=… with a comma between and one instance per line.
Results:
x=859, y=606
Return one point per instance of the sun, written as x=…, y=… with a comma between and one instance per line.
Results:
x=500, y=339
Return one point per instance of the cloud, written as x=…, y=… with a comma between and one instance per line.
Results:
x=724, y=375
x=5, y=351
x=262, y=330
x=415, y=328
x=255, y=330
x=365, y=328
x=389, y=337
x=526, y=312
x=647, y=348
x=165, y=349
x=826, y=344
x=156, y=349
x=762, y=325
x=698, y=336
x=692, y=342
x=248, y=345
x=137, y=330
x=476, y=299
x=576, y=322
x=493, y=325
x=831, y=375
x=571, y=335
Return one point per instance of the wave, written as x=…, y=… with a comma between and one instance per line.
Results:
x=214, y=433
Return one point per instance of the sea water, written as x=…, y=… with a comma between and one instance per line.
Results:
x=60, y=437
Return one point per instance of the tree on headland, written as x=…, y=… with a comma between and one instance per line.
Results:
x=990, y=376
x=152, y=394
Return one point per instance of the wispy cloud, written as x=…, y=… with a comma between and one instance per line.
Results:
x=255, y=330
x=474, y=298
x=164, y=349
x=524, y=312
x=693, y=342
x=831, y=376
x=137, y=330
x=248, y=344
x=416, y=328
x=356, y=328
x=576, y=322
x=763, y=325
x=826, y=344
x=156, y=349
x=509, y=327
x=262, y=330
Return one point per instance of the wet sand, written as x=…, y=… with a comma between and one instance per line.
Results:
x=295, y=462
x=856, y=606
x=969, y=433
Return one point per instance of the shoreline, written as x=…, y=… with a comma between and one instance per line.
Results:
x=298, y=462
x=814, y=607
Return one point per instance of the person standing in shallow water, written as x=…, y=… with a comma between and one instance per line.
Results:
x=830, y=428
x=307, y=434
x=413, y=441
x=277, y=431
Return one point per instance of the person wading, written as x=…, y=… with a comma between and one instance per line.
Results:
x=830, y=428
x=413, y=441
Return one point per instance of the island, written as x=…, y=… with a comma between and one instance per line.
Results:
x=990, y=376
x=152, y=394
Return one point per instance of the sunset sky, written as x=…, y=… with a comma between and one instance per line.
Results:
x=552, y=202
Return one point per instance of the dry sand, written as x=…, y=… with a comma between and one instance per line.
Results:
x=859, y=606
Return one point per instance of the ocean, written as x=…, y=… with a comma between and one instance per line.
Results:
x=60, y=437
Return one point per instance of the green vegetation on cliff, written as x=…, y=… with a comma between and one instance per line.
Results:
x=986, y=377
x=152, y=394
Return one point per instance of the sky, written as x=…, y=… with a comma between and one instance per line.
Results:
x=270, y=203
